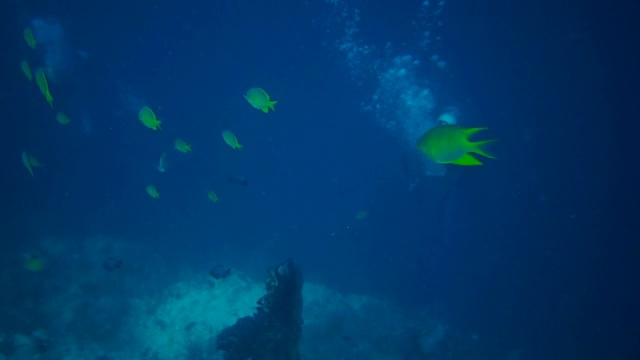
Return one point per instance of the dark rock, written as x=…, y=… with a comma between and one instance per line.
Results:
x=190, y=326
x=220, y=272
x=112, y=264
x=274, y=331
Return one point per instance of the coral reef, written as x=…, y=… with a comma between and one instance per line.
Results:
x=76, y=309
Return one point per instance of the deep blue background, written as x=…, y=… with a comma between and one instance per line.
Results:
x=533, y=249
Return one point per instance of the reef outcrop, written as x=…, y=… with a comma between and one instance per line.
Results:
x=273, y=332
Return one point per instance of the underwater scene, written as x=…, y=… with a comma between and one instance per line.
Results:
x=315, y=179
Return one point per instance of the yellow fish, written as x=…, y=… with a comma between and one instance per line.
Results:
x=26, y=69
x=62, y=118
x=361, y=214
x=259, y=99
x=30, y=162
x=213, y=197
x=182, y=146
x=41, y=79
x=148, y=118
x=231, y=140
x=152, y=191
x=34, y=263
x=28, y=37
x=449, y=144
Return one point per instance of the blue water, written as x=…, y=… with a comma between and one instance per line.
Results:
x=525, y=257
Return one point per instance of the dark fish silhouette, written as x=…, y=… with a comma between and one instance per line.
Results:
x=238, y=180
x=220, y=271
x=112, y=264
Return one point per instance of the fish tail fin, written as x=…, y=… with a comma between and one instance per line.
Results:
x=239, y=146
x=479, y=147
x=272, y=105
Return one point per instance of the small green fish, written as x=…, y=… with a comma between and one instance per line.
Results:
x=260, y=100
x=182, y=146
x=41, y=79
x=153, y=192
x=26, y=69
x=62, y=119
x=148, y=118
x=231, y=140
x=29, y=38
x=213, y=197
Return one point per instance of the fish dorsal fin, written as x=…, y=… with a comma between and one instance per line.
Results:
x=471, y=131
x=467, y=160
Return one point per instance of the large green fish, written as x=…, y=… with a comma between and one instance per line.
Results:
x=449, y=144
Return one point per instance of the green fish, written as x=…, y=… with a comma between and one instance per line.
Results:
x=26, y=69
x=41, y=79
x=449, y=144
x=152, y=191
x=148, y=118
x=260, y=100
x=29, y=38
x=213, y=197
x=231, y=140
x=62, y=119
x=182, y=146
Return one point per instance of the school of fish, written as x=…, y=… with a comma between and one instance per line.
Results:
x=444, y=144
